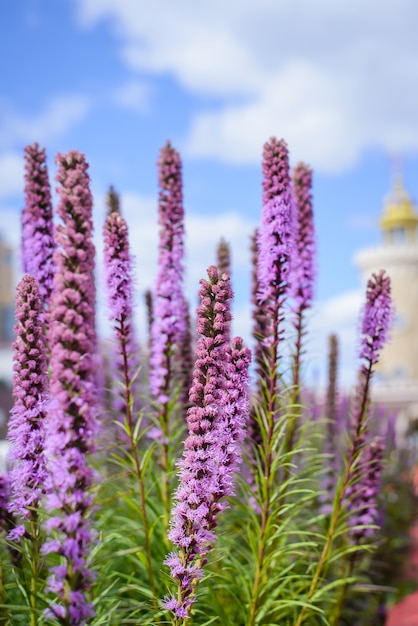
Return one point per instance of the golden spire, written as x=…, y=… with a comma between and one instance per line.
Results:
x=399, y=219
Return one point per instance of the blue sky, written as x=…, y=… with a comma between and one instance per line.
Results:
x=116, y=78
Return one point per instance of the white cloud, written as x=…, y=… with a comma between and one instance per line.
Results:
x=332, y=78
x=11, y=174
x=57, y=118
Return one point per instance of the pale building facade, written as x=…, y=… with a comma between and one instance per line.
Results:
x=6, y=294
x=396, y=383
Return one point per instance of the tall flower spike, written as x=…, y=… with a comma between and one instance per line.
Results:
x=377, y=317
x=261, y=320
x=72, y=426
x=375, y=327
x=37, y=226
x=27, y=420
x=168, y=325
x=303, y=262
x=275, y=244
x=302, y=274
x=215, y=422
x=276, y=233
x=118, y=265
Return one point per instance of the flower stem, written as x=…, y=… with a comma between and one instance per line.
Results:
x=138, y=470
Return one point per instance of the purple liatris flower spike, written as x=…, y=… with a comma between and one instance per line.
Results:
x=71, y=425
x=30, y=387
x=168, y=325
x=376, y=321
x=377, y=317
x=276, y=178
x=362, y=495
x=303, y=261
x=276, y=233
x=118, y=265
x=216, y=420
x=37, y=226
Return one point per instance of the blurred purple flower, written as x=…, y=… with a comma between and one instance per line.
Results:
x=303, y=261
x=362, y=495
x=4, y=501
x=30, y=388
x=169, y=324
x=377, y=317
x=37, y=226
x=119, y=281
x=71, y=425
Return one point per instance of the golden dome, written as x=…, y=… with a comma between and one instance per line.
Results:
x=399, y=210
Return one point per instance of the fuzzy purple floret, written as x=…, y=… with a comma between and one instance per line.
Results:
x=169, y=325
x=362, y=496
x=275, y=239
x=30, y=387
x=37, y=225
x=303, y=261
x=72, y=426
x=216, y=423
x=377, y=317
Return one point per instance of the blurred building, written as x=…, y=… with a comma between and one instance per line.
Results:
x=396, y=382
x=7, y=309
x=6, y=294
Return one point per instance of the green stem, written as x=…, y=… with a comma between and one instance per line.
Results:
x=346, y=573
x=34, y=567
x=340, y=495
x=267, y=476
x=3, y=616
x=138, y=469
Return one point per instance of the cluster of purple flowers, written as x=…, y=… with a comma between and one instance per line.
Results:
x=216, y=422
x=53, y=425
x=27, y=419
x=37, y=226
x=71, y=424
x=303, y=262
x=169, y=307
x=274, y=251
